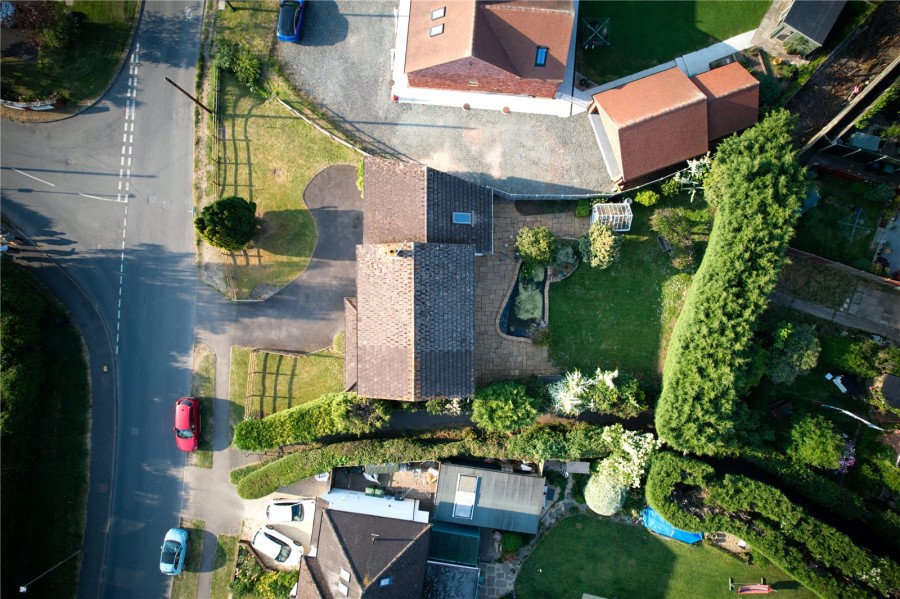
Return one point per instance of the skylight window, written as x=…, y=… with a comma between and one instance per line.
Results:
x=462, y=218
x=540, y=59
x=344, y=589
x=439, y=13
x=464, y=501
x=345, y=576
x=436, y=30
x=386, y=581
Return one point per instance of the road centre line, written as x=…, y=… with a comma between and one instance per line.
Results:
x=35, y=178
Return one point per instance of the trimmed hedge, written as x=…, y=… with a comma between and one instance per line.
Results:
x=542, y=442
x=331, y=414
x=756, y=184
x=819, y=556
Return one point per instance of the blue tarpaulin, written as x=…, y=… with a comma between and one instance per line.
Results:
x=657, y=524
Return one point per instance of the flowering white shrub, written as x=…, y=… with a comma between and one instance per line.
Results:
x=630, y=453
x=567, y=395
x=603, y=495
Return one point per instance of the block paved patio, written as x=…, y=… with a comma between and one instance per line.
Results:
x=498, y=357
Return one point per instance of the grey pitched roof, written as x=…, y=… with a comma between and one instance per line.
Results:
x=372, y=549
x=448, y=194
x=503, y=500
x=814, y=18
x=409, y=202
x=446, y=581
x=415, y=321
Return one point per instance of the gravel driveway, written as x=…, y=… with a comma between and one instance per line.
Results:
x=344, y=64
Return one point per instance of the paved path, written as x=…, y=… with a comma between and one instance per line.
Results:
x=305, y=315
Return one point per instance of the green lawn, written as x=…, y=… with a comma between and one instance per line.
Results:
x=226, y=549
x=83, y=70
x=828, y=229
x=270, y=156
x=279, y=381
x=44, y=443
x=203, y=387
x=644, y=34
x=184, y=586
x=237, y=383
x=586, y=554
x=620, y=317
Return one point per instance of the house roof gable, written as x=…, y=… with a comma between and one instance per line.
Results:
x=814, y=18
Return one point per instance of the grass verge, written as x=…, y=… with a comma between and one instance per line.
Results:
x=621, y=560
x=203, y=387
x=185, y=585
x=44, y=442
x=80, y=71
x=281, y=381
x=270, y=157
x=644, y=34
x=226, y=549
x=237, y=384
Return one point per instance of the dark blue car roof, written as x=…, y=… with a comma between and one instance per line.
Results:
x=286, y=18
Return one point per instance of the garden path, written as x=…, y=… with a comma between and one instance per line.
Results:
x=498, y=357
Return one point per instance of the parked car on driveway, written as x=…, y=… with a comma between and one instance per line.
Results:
x=187, y=423
x=277, y=546
x=290, y=20
x=174, y=548
x=290, y=510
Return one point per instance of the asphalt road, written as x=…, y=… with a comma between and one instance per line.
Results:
x=64, y=185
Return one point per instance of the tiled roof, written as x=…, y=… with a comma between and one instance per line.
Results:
x=503, y=500
x=647, y=99
x=733, y=96
x=350, y=343
x=394, y=196
x=416, y=320
x=504, y=34
x=444, y=320
x=311, y=581
x=448, y=194
x=372, y=549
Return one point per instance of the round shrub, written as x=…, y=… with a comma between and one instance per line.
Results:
x=646, y=197
x=228, y=224
x=536, y=245
x=816, y=442
x=599, y=246
x=670, y=187
x=604, y=496
x=503, y=407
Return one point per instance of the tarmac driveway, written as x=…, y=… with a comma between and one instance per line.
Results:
x=344, y=64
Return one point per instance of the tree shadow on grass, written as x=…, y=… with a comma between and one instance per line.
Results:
x=284, y=232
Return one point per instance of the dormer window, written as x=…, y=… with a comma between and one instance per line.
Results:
x=436, y=30
x=540, y=59
x=439, y=13
x=462, y=218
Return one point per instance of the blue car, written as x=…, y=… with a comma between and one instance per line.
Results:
x=174, y=548
x=290, y=20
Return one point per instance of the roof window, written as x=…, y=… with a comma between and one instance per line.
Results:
x=386, y=581
x=462, y=218
x=344, y=590
x=438, y=13
x=345, y=576
x=464, y=501
x=540, y=59
x=436, y=30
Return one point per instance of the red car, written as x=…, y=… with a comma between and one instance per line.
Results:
x=187, y=423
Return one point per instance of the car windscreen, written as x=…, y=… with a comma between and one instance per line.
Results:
x=184, y=433
x=286, y=18
x=297, y=513
x=285, y=548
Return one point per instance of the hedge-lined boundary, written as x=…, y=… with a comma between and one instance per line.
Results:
x=756, y=184
x=578, y=441
x=819, y=556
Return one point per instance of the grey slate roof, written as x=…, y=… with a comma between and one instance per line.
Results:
x=446, y=581
x=503, y=500
x=409, y=202
x=415, y=321
x=814, y=18
x=454, y=543
x=371, y=549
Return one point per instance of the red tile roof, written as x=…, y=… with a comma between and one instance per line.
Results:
x=733, y=95
x=655, y=122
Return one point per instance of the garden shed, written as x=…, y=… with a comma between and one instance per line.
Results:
x=617, y=216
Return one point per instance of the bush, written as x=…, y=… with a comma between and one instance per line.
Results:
x=228, y=224
x=757, y=185
x=672, y=223
x=891, y=94
x=503, y=407
x=599, y=246
x=63, y=31
x=605, y=392
x=798, y=45
x=816, y=442
x=880, y=193
x=511, y=543
x=536, y=245
x=583, y=208
x=604, y=496
x=797, y=353
x=240, y=60
x=670, y=187
x=646, y=197
x=769, y=90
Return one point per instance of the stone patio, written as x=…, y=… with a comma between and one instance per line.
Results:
x=498, y=357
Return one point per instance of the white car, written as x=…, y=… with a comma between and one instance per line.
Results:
x=276, y=546
x=290, y=510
